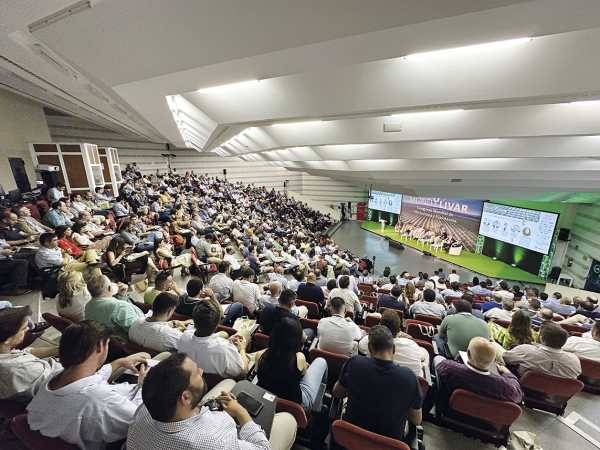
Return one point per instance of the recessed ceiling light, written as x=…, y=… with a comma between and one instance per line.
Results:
x=229, y=86
x=296, y=123
x=468, y=49
x=425, y=113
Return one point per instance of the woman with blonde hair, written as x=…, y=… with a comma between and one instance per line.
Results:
x=518, y=332
x=163, y=250
x=72, y=296
x=411, y=293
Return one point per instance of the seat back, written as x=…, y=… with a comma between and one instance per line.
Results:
x=371, y=321
x=400, y=313
x=212, y=379
x=502, y=323
x=230, y=331
x=430, y=319
x=334, y=361
x=352, y=437
x=348, y=313
x=261, y=341
x=590, y=368
x=383, y=291
x=313, y=309
x=537, y=381
x=131, y=349
x=145, y=307
x=424, y=385
x=484, y=408
x=372, y=301
x=573, y=328
x=423, y=331
x=60, y=323
x=294, y=409
x=34, y=439
x=428, y=347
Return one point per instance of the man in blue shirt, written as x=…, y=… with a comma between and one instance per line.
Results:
x=392, y=301
x=56, y=216
x=495, y=303
x=441, y=273
x=481, y=289
x=372, y=405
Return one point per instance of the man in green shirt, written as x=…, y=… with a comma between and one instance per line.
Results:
x=163, y=283
x=118, y=313
x=457, y=330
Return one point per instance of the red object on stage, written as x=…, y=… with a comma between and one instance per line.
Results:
x=360, y=211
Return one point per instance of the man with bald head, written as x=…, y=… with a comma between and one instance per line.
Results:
x=271, y=298
x=277, y=275
x=475, y=376
x=310, y=292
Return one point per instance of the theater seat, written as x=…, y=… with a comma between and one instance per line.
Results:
x=481, y=417
x=261, y=341
x=430, y=319
x=400, y=313
x=371, y=321
x=502, y=323
x=60, y=323
x=335, y=363
x=548, y=393
x=352, y=437
x=423, y=331
x=34, y=439
x=590, y=375
x=571, y=328
x=313, y=309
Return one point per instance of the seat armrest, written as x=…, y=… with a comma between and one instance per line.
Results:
x=412, y=437
x=318, y=404
x=335, y=412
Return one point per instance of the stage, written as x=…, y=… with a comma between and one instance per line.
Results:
x=477, y=263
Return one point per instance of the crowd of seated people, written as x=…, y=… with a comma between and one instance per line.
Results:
x=281, y=240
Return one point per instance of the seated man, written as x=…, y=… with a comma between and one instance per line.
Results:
x=271, y=298
x=77, y=404
x=57, y=215
x=162, y=283
x=506, y=313
x=496, y=302
x=407, y=352
x=310, y=292
x=320, y=281
x=174, y=417
x=16, y=269
x=22, y=371
x=457, y=330
x=158, y=332
x=278, y=276
x=285, y=308
x=392, y=301
x=353, y=286
x=244, y=291
x=221, y=283
x=427, y=305
x=587, y=346
x=212, y=353
x=543, y=315
x=28, y=224
x=195, y=294
x=547, y=356
x=350, y=298
x=297, y=281
x=338, y=334
x=118, y=313
x=362, y=380
x=51, y=255
x=476, y=312
x=453, y=292
x=474, y=375
x=565, y=306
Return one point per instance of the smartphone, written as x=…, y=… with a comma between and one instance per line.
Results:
x=249, y=403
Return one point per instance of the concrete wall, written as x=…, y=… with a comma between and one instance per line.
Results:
x=21, y=121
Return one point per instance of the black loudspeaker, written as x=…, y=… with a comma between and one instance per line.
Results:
x=224, y=171
x=563, y=234
x=555, y=273
x=349, y=206
x=427, y=254
x=397, y=245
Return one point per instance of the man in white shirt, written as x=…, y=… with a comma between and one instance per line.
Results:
x=22, y=371
x=505, y=313
x=297, y=281
x=407, y=352
x=236, y=264
x=212, y=353
x=221, y=283
x=427, y=305
x=158, y=332
x=587, y=346
x=453, y=277
x=77, y=404
x=350, y=298
x=56, y=193
x=404, y=280
x=338, y=334
x=352, y=286
x=504, y=290
x=244, y=291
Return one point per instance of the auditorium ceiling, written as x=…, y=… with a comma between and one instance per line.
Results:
x=400, y=95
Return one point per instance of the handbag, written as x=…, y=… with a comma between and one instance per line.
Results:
x=243, y=323
x=522, y=440
x=428, y=331
x=141, y=286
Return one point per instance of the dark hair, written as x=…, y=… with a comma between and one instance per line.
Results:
x=543, y=296
x=331, y=284
x=468, y=298
x=78, y=226
x=285, y=341
x=396, y=291
x=248, y=272
x=520, y=328
x=194, y=287
x=429, y=295
x=46, y=237
x=79, y=341
x=157, y=241
x=74, y=195
x=60, y=184
x=56, y=204
x=588, y=306
x=224, y=266
x=163, y=386
x=552, y=335
x=455, y=286
x=463, y=306
x=475, y=281
x=483, y=284
x=164, y=302
x=116, y=246
x=391, y=319
x=287, y=297
x=381, y=338
x=161, y=279
x=393, y=279
x=386, y=272
x=299, y=275
x=11, y=321
x=208, y=236
x=60, y=230
x=535, y=303
x=504, y=285
x=337, y=303
x=344, y=282
x=206, y=318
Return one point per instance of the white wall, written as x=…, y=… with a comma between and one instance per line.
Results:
x=21, y=121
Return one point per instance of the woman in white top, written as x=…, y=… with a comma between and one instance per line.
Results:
x=163, y=250
x=82, y=237
x=73, y=296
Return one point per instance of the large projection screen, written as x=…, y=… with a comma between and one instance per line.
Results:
x=527, y=228
x=385, y=201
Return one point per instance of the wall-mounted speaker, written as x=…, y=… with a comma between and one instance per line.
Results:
x=224, y=171
x=563, y=234
x=555, y=273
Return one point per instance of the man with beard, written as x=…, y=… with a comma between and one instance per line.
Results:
x=173, y=417
x=77, y=404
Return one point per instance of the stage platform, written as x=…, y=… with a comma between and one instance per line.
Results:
x=477, y=263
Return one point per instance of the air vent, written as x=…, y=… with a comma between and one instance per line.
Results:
x=392, y=126
x=97, y=93
x=54, y=59
x=456, y=180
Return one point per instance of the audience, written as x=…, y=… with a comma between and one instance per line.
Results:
x=284, y=308
x=587, y=346
x=196, y=293
x=518, y=332
x=392, y=300
x=221, y=283
x=338, y=334
x=457, y=330
x=427, y=305
x=73, y=295
x=163, y=283
x=506, y=313
x=310, y=292
x=244, y=291
x=349, y=297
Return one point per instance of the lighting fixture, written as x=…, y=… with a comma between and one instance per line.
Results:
x=226, y=87
x=585, y=102
x=425, y=113
x=468, y=49
x=295, y=123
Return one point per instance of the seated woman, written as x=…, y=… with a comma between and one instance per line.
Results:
x=66, y=242
x=283, y=370
x=115, y=254
x=398, y=226
x=82, y=237
x=181, y=217
x=163, y=250
x=72, y=296
x=518, y=332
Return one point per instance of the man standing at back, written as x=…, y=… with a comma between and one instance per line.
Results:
x=362, y=380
